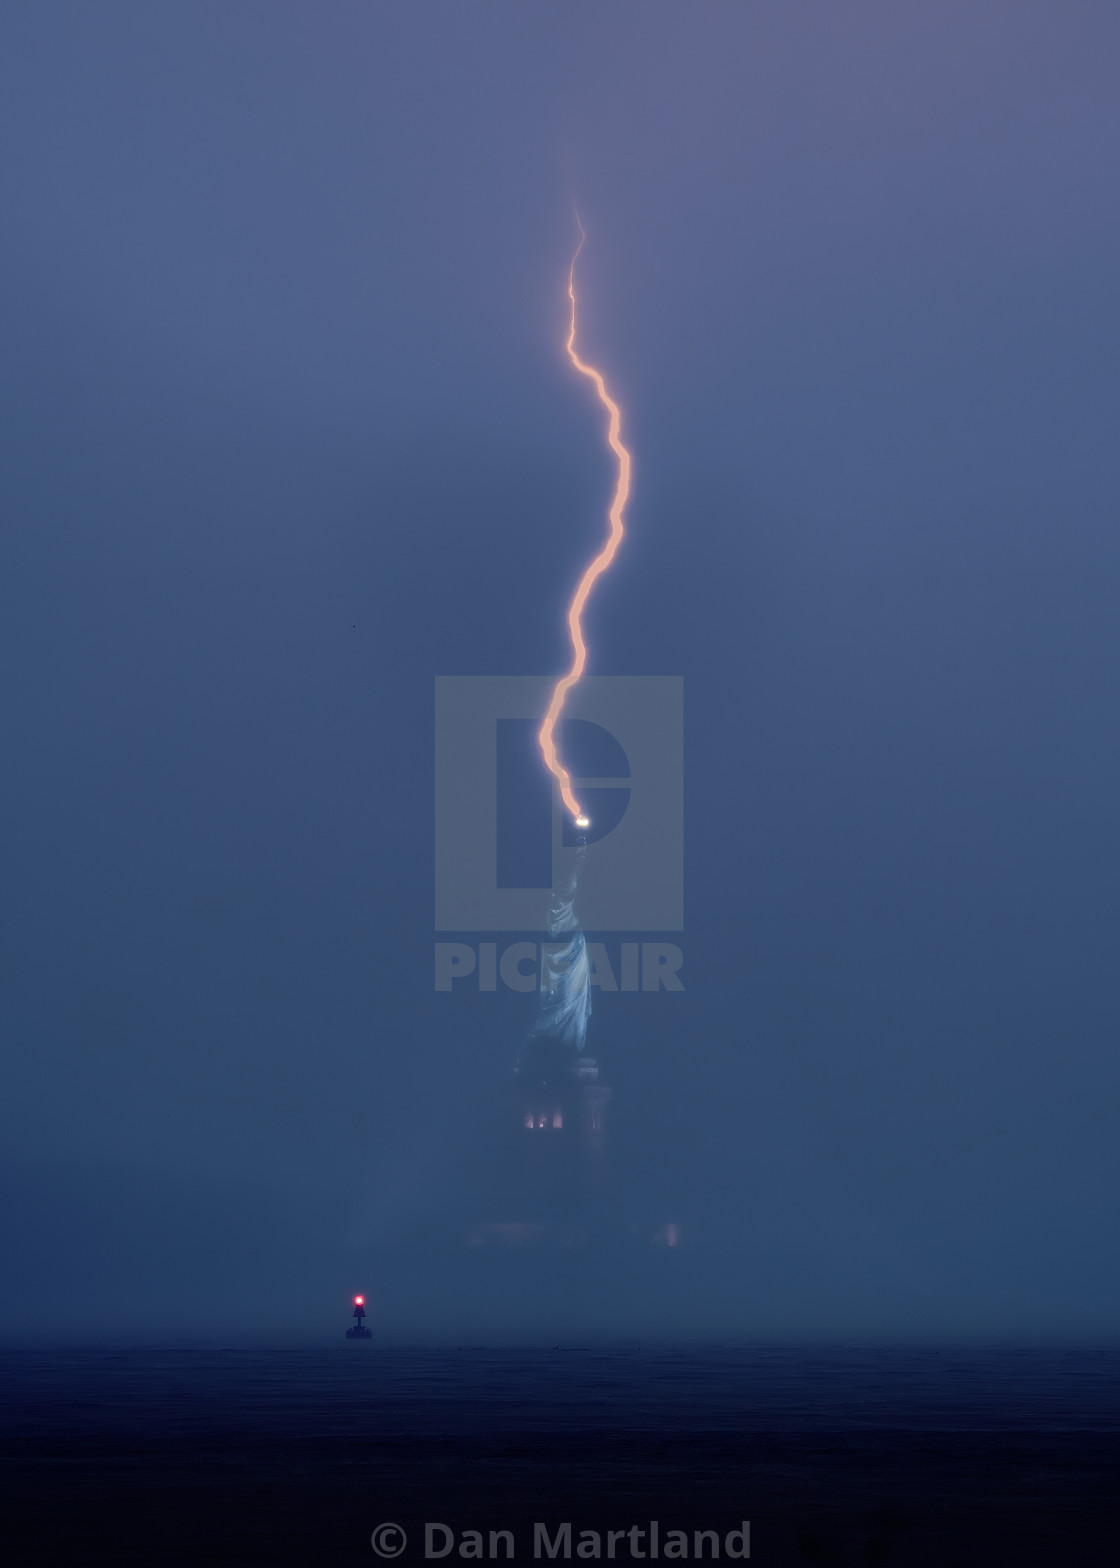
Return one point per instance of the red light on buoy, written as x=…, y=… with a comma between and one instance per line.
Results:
x=359, y=1301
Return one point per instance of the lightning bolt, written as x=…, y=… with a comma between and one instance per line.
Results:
x=596, y=567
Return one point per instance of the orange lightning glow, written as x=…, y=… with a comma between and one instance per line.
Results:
x=596, y=567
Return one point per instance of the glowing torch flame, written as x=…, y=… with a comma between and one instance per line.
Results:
x=596, y=567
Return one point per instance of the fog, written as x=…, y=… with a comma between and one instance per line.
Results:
x=289, y=430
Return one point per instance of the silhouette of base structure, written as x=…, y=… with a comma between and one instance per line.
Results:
x=552, y=1184
x=359, y=1332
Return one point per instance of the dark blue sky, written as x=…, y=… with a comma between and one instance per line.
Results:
x=288, y=430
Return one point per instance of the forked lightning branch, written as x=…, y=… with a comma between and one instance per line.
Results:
x=554, y=828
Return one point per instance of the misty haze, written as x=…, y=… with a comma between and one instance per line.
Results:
x=706, y=1083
